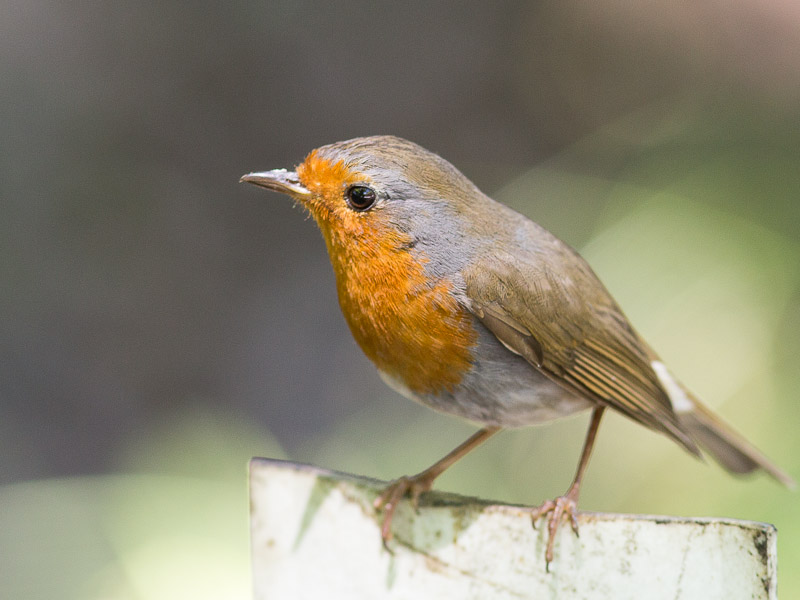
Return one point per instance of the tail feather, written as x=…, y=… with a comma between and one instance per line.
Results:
x=713, y=435
x=727, y=447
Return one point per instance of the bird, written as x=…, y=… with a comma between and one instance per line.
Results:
x=474, y=310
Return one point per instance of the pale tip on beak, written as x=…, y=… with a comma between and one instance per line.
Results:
x=278, y=180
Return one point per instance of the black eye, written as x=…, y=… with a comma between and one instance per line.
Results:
x=360, y=197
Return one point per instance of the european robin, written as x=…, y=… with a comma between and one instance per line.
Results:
x=471, y=309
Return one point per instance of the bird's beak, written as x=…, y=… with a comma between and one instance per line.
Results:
x=278, y=180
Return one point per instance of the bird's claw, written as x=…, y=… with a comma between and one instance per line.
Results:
x=566, y=505
x=413, y=486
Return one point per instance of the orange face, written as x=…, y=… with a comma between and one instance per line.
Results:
x=412, y=328
x=328, y=183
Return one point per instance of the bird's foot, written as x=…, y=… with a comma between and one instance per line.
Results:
x=556, y=510
x=412, y=486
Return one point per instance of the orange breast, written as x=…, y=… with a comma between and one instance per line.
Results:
x=413, y=332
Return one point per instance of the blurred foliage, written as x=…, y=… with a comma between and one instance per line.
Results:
x=159, y=325
x=173, y=525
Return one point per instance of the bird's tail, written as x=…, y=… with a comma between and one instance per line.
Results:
x=713, y=435
x=727, y=447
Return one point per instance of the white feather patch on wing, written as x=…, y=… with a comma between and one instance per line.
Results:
x=680, y=401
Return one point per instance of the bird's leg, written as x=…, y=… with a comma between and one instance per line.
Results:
x=414, y=485
x=568, y=503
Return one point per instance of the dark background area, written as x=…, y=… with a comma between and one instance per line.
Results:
x=155, y=316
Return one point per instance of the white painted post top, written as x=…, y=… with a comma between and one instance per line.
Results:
x=314, y=534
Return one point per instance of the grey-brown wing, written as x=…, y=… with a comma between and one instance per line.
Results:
x=570, y=328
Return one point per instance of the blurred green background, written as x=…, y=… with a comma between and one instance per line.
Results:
x=161, y=324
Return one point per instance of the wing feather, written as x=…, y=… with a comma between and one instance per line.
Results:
x=572, y=330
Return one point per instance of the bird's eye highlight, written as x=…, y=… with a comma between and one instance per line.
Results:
x=360, y=197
